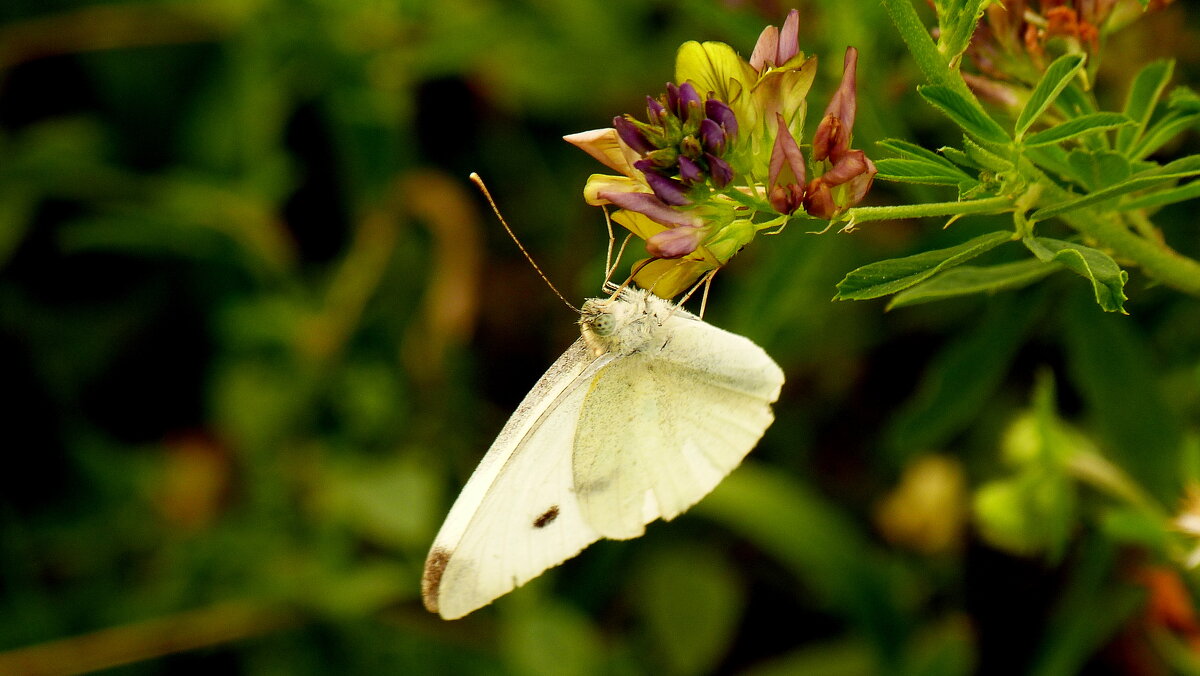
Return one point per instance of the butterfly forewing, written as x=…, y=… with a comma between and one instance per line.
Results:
x=518, y=514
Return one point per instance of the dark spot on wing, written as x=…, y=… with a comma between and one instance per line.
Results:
x=431, y=581
x=545, y=519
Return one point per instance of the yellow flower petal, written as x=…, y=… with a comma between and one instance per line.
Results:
x=606, y=146
x=638, y=224
x=713, y=67
x=783, y=90
x=598, y=183
x=669, y=278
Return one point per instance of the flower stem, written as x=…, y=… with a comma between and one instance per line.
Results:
x=991, y=205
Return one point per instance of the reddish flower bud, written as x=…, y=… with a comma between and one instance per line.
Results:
x=787, y=170
x=818, y=200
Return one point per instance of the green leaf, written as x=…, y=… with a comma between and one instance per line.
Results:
x=959, y=157
x=833, y=560
x=1186, y=167
x=1096, y=169
x=969, y=279
x=1179, y=193
x=887, y=277
x=1087, y=124
x=1073, y=102
x=691, y=601
x=842, y=657
x=1088, y=614
x=961, y=379
x=1113, y=368
x=1184, y=100
x=919, y=171
x=1107, y=278
x=1163, y=132
x=965, y=113
x=1053, y=159
x=549, y=638
x=1058, y=75
x=986, y=158
x=1143, y=95
x=912, y=151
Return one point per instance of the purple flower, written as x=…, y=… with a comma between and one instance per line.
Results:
x=655, y=111
x=688, y=98
x=650, y=206
x=712, y=136
x=689, y=171
x=719, y=169
x=674, y=243
x=668, y=190
x=631, y=135
x=683, y=144
x=718, y=111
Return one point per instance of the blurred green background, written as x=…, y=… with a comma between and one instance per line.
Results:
x=256, y=329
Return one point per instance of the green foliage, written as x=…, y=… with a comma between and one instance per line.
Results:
x=888, y=277
x=956, y=23
x=1107, y=278
x=1056, y=78
x=1143, y=96
x=1076, y=127
x=964, y=112
x=970, y=279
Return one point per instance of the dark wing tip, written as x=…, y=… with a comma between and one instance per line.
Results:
x=431, y=581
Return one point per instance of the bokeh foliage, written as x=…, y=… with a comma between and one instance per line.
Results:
x=257, y=330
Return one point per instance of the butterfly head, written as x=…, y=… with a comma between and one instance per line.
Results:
x=627, y=323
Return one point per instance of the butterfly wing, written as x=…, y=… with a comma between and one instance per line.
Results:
x=518, y=514
x=660, y=429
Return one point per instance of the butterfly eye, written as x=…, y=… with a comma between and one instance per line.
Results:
x=604, y=325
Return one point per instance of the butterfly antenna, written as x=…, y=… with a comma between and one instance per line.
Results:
x=496, y=210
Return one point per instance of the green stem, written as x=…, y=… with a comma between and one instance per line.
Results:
x=933, y=64
x=1158, y=260
x=991, y=205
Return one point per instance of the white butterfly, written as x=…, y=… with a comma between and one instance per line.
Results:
x=640, y=418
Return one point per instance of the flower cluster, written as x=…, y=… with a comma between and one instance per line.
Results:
x=1015, y=42
x=685, y=137
x=719, y=156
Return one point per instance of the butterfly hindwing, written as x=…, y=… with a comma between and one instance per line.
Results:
x=660, y=429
